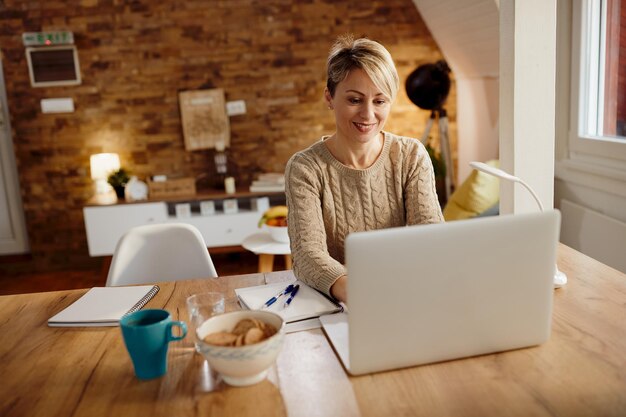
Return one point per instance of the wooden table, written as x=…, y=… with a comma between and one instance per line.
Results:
x=580, y=371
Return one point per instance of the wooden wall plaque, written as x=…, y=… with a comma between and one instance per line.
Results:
x=204, y=118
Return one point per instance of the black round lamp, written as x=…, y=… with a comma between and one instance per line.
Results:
x=428, y=86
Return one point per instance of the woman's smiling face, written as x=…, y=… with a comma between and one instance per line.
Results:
x=361, y=109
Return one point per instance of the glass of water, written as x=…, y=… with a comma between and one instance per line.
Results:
x=202, y=307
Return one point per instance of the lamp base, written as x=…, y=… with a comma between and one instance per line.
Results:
x=560, y=279
x=105, y=198
x=104, y=192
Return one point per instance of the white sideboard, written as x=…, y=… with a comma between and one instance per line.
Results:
x=105, y=224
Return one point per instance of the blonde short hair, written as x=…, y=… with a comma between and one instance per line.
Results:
x=370, y=56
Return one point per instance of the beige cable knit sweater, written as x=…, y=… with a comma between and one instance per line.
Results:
x=328, y=200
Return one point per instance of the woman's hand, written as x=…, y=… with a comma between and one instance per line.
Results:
x=339, y=289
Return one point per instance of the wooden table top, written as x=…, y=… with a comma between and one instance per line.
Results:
x=263, y=242
x=580, y=371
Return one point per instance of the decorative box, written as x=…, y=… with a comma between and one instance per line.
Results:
x=172, y=188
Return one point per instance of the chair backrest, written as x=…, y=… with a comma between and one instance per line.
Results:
x=160, y=252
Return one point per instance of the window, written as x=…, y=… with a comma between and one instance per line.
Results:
x=614, y=104
x=599, y=79
x=606, y=81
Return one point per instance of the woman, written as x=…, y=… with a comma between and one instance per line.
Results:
x=360, y=177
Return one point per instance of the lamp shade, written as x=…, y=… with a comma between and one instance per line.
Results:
x=488, y=169
x=102, y=164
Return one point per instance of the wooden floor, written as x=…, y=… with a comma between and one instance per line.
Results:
x=225, y=264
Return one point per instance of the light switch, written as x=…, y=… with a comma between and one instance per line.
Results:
x=235, y=108
x=57, y=105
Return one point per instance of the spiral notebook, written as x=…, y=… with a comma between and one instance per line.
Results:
x=307, y=304
x=104, y=306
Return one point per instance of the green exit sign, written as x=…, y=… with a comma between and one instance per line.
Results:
x=48, y=38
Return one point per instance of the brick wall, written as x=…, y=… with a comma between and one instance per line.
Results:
x=135, y=57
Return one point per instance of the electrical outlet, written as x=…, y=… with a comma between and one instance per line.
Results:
x=57, y=105
x=235, y=108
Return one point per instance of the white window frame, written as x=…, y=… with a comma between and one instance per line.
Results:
x=604, y=152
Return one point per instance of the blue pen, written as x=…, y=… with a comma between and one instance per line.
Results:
x=293, y=294
x=277, y=296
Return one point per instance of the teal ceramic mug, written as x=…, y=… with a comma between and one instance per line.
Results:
x=147, y=334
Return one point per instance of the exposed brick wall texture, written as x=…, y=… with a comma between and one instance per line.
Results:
x=135, y=56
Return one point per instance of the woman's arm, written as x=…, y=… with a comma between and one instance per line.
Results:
x=312, y=263
x=420, y=193
x=339, y=290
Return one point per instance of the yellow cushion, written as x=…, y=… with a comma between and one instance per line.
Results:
x=476, y=194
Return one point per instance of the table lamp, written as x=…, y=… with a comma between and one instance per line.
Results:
x=102, y=165
x=560, y=278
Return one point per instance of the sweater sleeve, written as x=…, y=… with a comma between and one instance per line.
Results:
x=420, y=193
x=312, y=262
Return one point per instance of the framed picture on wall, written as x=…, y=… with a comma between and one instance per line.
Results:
x=204, y=119
x=51, y=66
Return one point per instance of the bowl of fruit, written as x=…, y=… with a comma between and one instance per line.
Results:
x=275, y=219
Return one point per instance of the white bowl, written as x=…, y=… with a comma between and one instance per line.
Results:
x=242, y=365
x=279, y=233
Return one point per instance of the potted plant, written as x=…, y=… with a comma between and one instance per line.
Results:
x=439, y=167
x=118, y=180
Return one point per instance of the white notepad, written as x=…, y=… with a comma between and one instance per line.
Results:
x=307, y=304
x=104, y=306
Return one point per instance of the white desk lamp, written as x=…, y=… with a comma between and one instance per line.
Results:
x=103, y=164
x=560, y=278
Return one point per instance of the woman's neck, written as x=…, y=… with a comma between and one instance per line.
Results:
x=355, y=155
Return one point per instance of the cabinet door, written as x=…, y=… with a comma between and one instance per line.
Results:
x=224, y=229
x=106, y=225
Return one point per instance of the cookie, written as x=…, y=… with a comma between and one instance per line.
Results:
x=220, y=339
x=258, y=323
x=246, y=332
x=254, y=335
x=243, y=326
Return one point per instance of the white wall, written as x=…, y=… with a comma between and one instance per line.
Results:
x=527, y=101
x=467, y=33
x=477, y=119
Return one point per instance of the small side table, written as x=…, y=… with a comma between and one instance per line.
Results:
x=263, y=245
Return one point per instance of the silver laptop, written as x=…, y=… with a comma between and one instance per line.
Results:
x=431, y=293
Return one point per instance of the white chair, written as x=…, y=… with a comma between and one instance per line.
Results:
x=160, y=252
